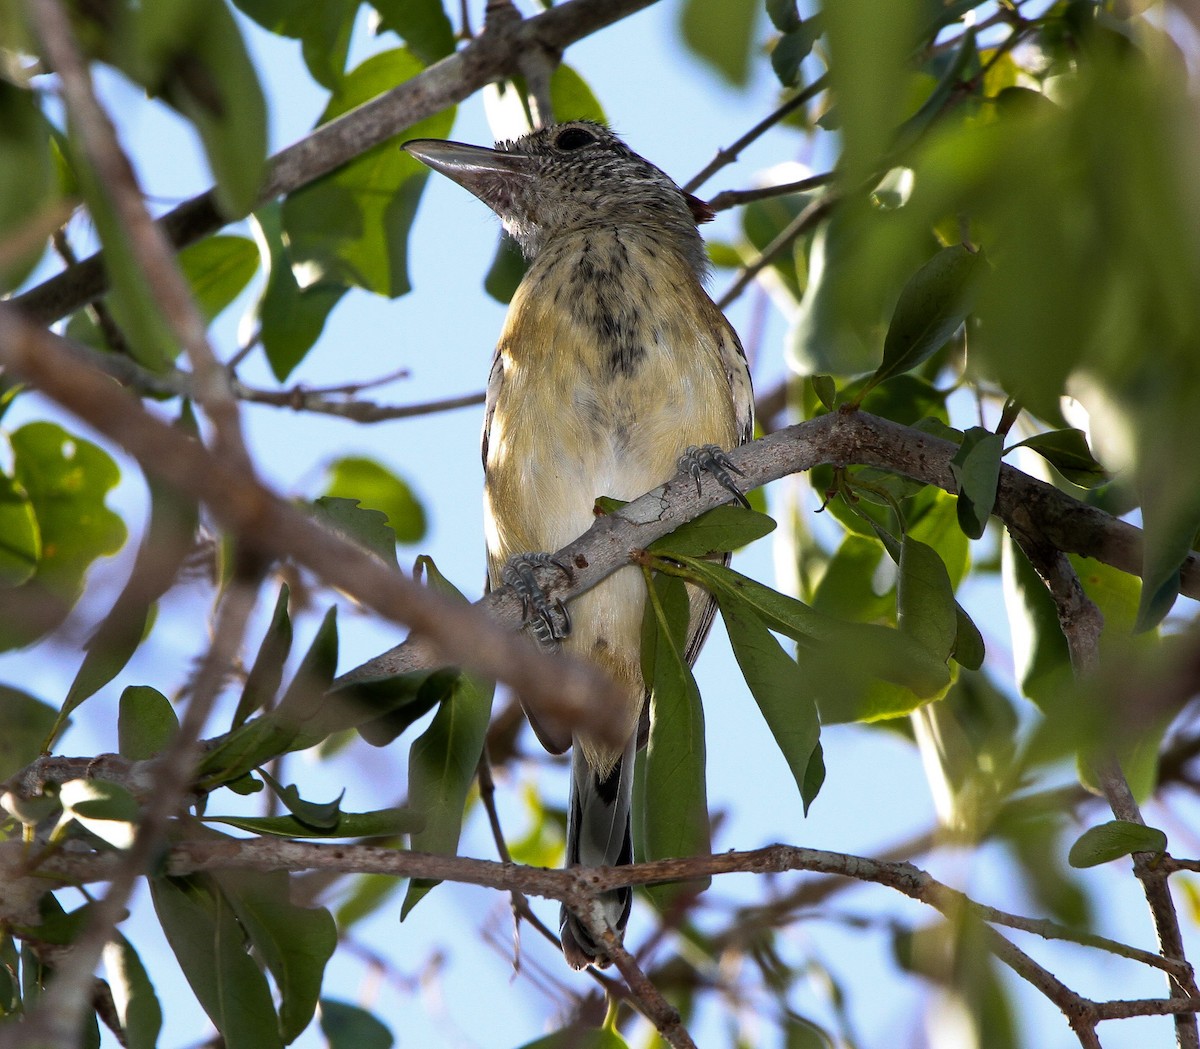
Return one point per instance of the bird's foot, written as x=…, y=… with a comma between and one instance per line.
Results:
x=549, y=622
x=712, y=459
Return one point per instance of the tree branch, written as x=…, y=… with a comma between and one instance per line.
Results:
x=840, y=438
x=495, y=53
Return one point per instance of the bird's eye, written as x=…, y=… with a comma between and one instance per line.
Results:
x=574, y=138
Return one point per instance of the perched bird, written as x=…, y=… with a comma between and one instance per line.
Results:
x=613, y=363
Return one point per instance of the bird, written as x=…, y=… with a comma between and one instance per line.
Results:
x=612, y=369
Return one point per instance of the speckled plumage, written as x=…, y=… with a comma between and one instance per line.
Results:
x=613, y=360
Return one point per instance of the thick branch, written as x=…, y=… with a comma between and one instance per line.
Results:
x=495, y=53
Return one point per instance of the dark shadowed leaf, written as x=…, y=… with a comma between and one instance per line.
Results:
x=133, y=994
x=209, y=944
x=146, y=722
x=721, y=529
x=294, y=942
x=441, y=769
x=375, y=824
x=291, y=318
x=378, y=488
x=26, y=172
x=443, y=760
x=1068, y=452
x=579, y=1037
x=1114, y=839
x=421, y=24
x=323, y=30
x=26, y=722
x=926, y=609
x=267, y=672
x=366, y=527
x=674, y=818
x=932, y=305
x=351, y=226
x=347, y=1026
x=976, y=468
x=779, y=688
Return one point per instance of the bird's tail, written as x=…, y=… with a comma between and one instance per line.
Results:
x=598, y=834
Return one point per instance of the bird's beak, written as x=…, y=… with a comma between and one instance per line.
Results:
x=484, y=172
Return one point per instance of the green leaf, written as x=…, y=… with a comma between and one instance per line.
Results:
x=976, y=469
x=323, y=30
x=825, y=389
x=674, y=819
x=106, y=809
x=1068, y=452
x=441, y=769
x=397, y=702
x=506, y=271
x=368, y=894
x=422, y=24
x=294, y=942
x=579, y=1037
x=209, y=944
x=932, y=306
x=351, y=226
x=218, y=268
x=378, y=823
x=20, y=541
x=348, y=1026
x=721, y=529
x=378, y=488
x=784, y=15
x=830, y=648
x=209, y=78
x=321, y=816
x=267, y=672
x=168, y=539
x=27, y=174
x=814, y=777
x=290, y=318
x=722, y=33
x=571, y=97
x=304, y=716
x=26, y=721
x=66, y=479
x=779, y=688
x=792, y=48
x=1114, y=839
x=926, y=609
x=360, y=525
x=969, y=649
x=146, y=723
x=133, y=994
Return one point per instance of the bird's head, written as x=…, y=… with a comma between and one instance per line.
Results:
x=569, y=177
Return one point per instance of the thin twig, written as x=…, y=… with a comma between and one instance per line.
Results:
x=803, y=222
x=731, y=153
x=732, y=198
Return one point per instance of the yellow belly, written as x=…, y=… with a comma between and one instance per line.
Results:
x=568, y=424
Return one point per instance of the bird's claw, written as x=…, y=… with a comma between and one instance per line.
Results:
x=713, y=460
x=549, y=622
